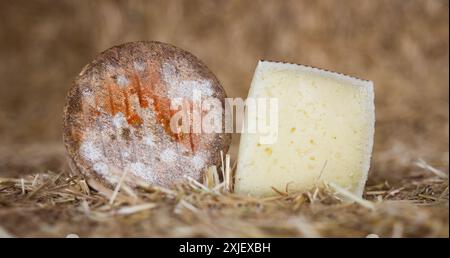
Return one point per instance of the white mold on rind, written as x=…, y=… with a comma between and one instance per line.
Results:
x=117, y=113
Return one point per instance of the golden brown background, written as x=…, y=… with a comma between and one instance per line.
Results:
x=401, y=45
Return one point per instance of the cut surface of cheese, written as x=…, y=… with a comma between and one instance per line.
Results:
x=325, y=132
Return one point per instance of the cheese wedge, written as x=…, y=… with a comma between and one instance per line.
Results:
x=325, y=132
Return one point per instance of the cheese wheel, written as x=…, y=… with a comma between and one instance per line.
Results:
x=324, y=132
x=118, y=112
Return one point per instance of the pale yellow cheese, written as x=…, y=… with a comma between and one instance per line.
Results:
x=325, y=132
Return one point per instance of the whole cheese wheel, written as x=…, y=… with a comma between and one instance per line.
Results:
x=118, y=113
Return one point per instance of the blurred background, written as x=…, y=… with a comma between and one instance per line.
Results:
x=400, y=45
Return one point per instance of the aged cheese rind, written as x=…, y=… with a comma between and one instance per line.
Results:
x=117, y=116
x=325, y=132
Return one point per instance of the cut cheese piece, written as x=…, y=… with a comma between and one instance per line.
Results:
x=325, y=132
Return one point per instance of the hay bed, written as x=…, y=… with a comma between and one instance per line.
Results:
x=59, y=204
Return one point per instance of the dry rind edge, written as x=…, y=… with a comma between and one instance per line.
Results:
x=316, y=69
